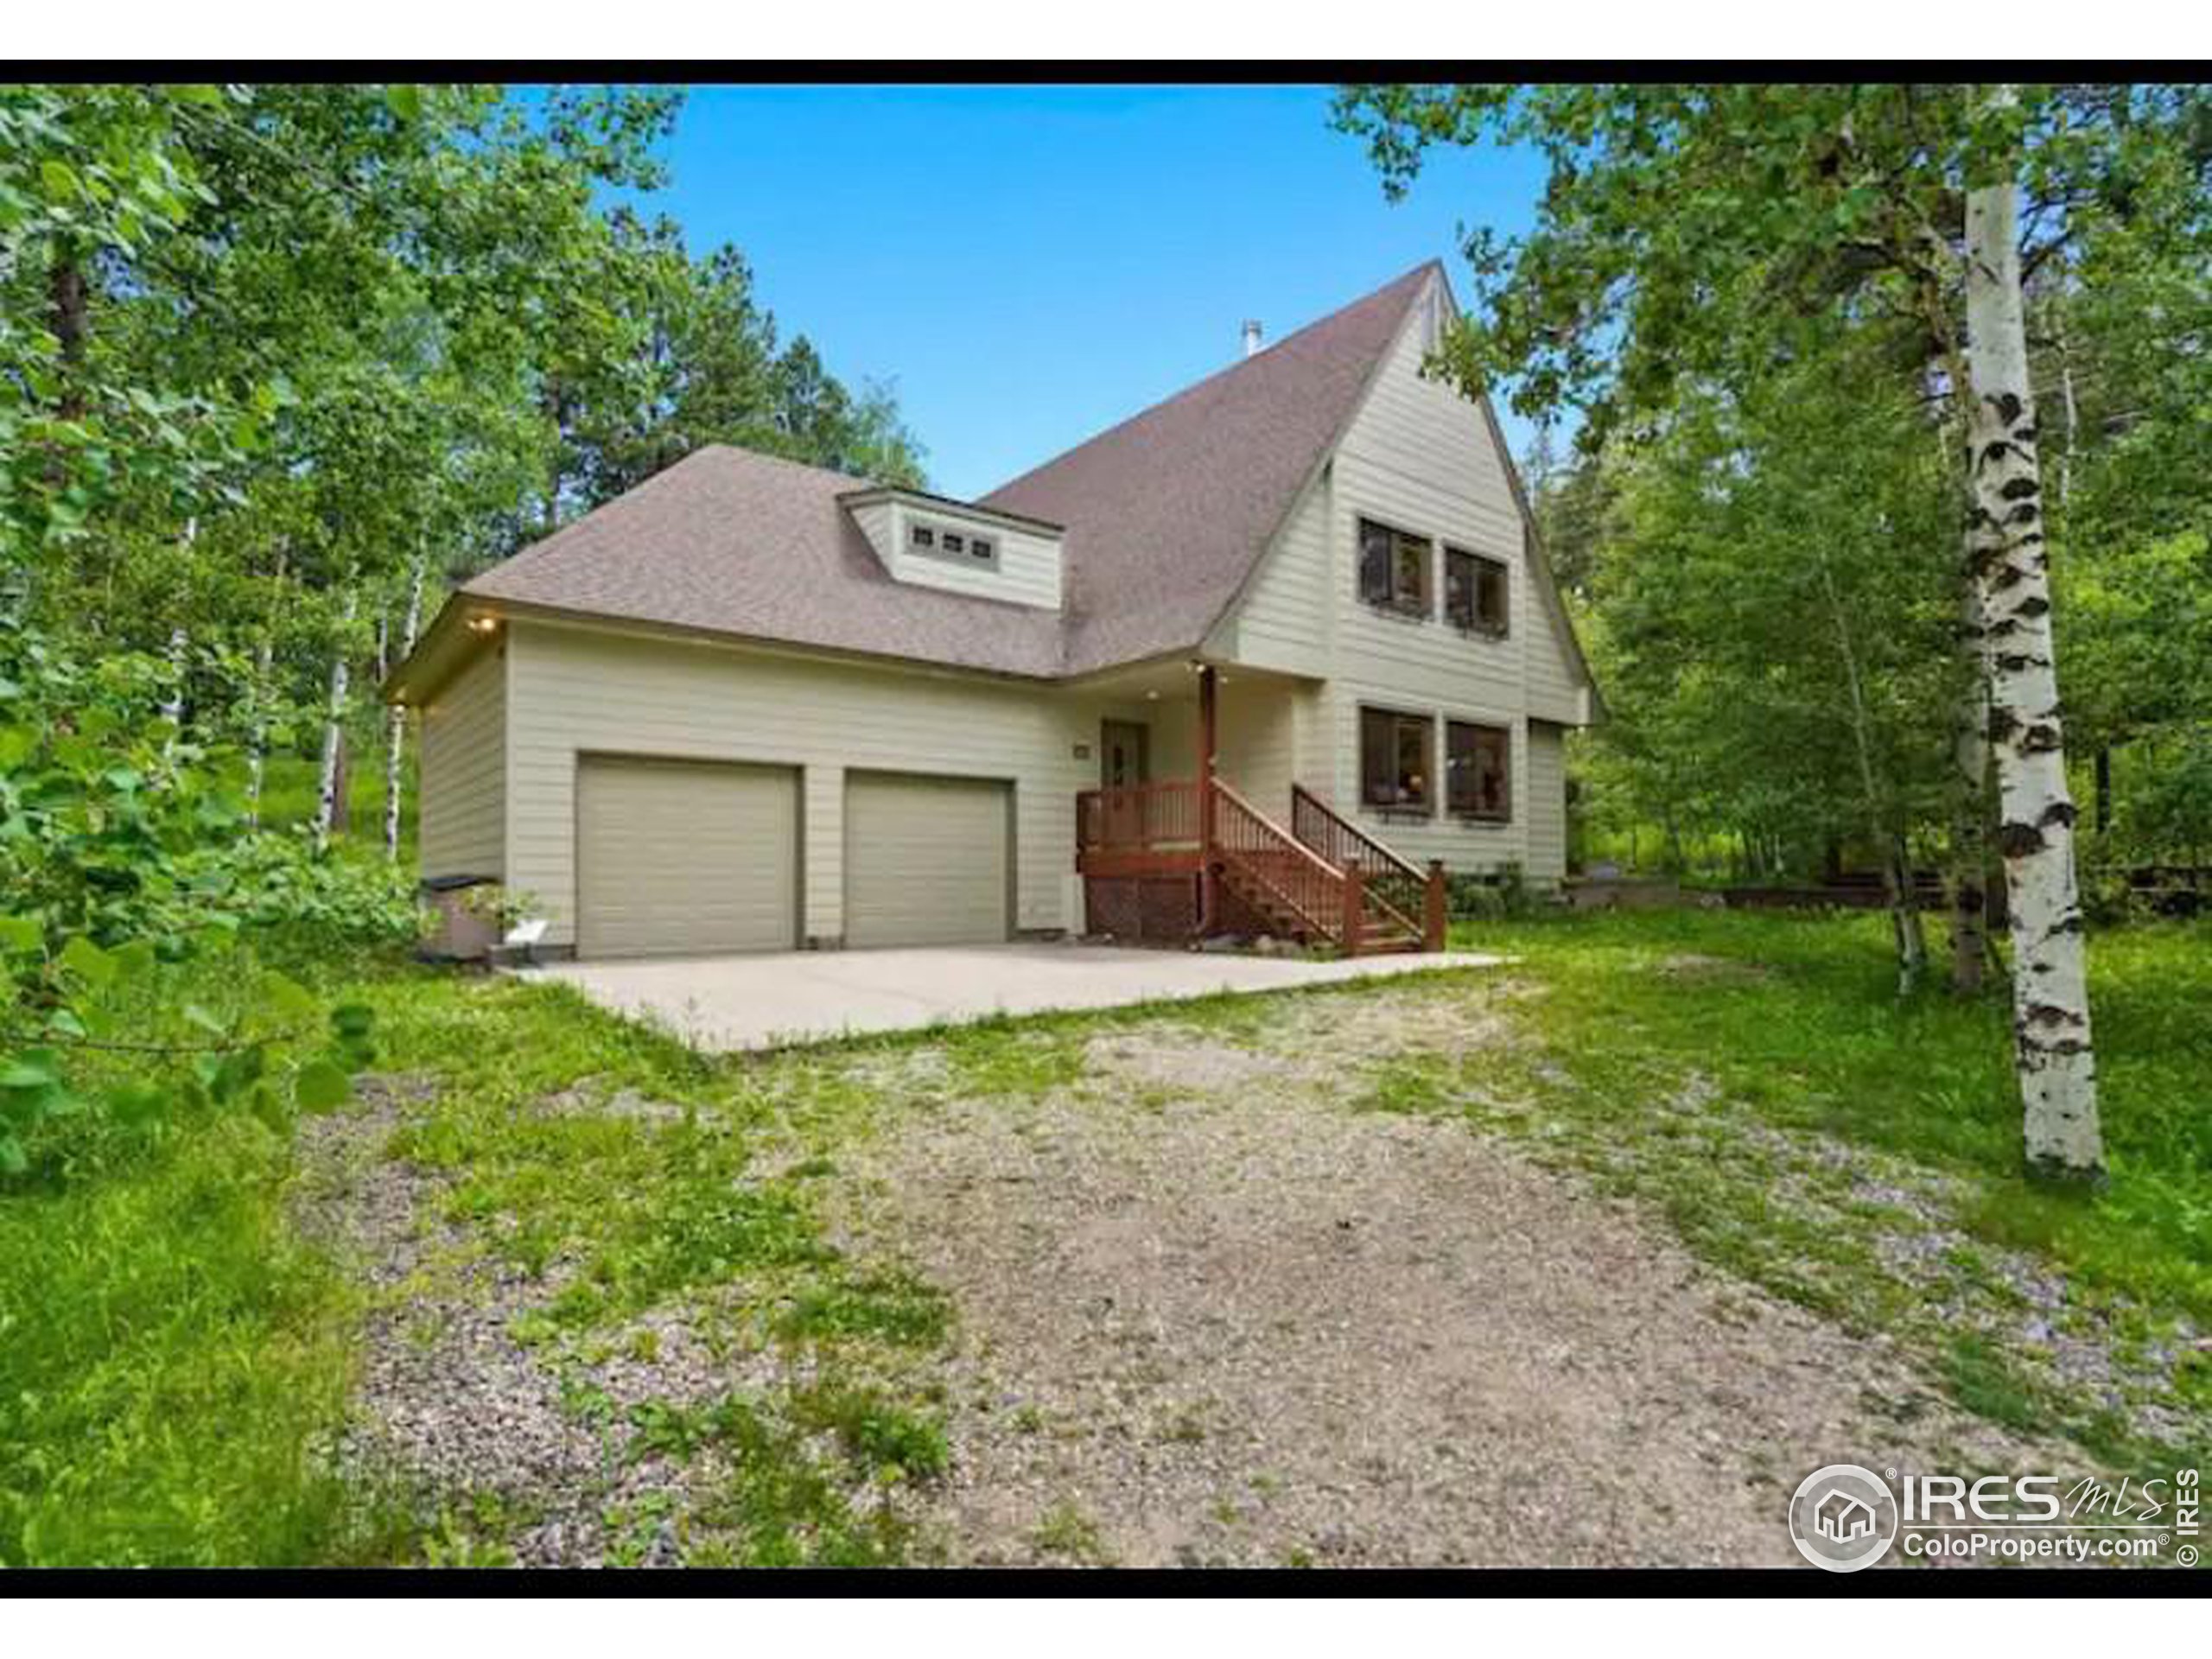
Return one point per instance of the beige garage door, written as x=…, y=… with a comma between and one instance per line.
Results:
x=684, y=858
x=925, y=860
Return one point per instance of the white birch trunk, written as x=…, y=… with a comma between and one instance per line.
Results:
x=1970, y=871
x=256, y=753
x=1970, y=799
x=325, y=814
x=396, y=720
x=263, y=695
x=2053, y=1054
x=2066, y=400
x=180, y=649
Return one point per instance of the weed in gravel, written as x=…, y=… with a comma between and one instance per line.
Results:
x=891, y=1305
x=474, y=1530
x=881, y=1439
x=1066, y=1531
x=778, y=1506
x=640, y=1532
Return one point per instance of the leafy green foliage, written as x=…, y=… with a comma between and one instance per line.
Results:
x=1690, y=232
x=174, y=1354
x=1753, y=295
x=1798, y=533
x=123, y=844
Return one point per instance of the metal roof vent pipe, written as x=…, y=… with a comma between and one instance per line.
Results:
x=1251, y=338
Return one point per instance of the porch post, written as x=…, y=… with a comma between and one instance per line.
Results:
x=1436, y=909
x=1209, y=894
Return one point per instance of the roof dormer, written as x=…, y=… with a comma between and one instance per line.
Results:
x=935, y=542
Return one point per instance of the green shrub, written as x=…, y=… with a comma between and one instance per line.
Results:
x=1498, y=894
x=124, y=845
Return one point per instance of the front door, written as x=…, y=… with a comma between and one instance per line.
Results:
x=1124, y=755
x=1124, y=761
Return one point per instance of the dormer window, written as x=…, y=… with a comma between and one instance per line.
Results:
x=933, y=542
x=941, y=541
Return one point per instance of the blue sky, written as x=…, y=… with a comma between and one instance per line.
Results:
x=1029, y=265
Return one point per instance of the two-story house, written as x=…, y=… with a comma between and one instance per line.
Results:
x=1264, y=657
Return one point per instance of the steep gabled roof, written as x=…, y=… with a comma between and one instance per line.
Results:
x=1166, y=517
x=1167, y=514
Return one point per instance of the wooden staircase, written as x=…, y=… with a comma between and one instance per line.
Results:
x=1349, y=890
x=1322, y=880
x=1402, y=902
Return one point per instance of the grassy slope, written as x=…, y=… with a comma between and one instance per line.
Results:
x=174, y=1353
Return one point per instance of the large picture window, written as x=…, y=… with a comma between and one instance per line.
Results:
x=1478, y=771
x=1397, y=761
x=1394, y=568
x=1474, y=593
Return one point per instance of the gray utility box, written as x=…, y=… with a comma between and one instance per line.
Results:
x=462, y=934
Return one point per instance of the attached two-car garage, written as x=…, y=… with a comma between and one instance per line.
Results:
x=699, y=858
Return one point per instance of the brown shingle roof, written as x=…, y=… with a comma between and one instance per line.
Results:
x=730, y=541
x=1166, y=516
x=1168, y=513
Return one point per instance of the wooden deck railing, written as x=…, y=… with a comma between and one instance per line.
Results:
x=1138, y=818
x=1410, y=896
x=1322, y=877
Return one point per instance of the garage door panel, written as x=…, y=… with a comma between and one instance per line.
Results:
x=683, y=858
x=926, y=861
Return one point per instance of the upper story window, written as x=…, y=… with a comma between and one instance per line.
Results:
x=1475, y=593
x=1478, y=771
x=1394, y=568
x=922, y=536
x=1397, y=761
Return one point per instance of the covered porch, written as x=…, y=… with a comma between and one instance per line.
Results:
x=1232, y=840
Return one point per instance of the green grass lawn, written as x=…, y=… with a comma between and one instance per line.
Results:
x=175, y=1356
x=1798, y=1017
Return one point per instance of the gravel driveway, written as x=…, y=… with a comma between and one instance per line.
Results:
x=1207, y=1309
x=1247, y=1325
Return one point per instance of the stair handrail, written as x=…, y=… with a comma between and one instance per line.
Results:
x=1302, y=796
x=1304, y=802
x=1331, y=879
x=1290, y=842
